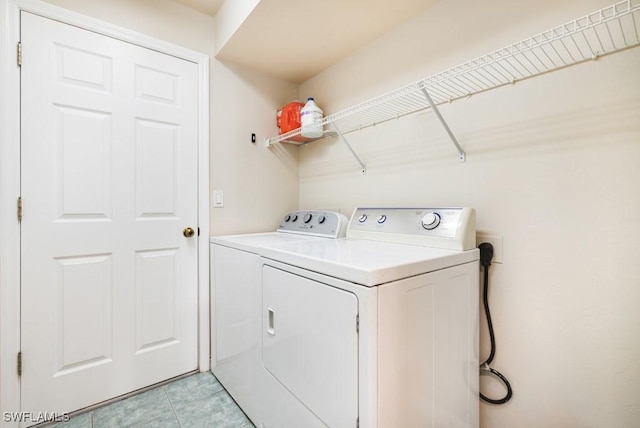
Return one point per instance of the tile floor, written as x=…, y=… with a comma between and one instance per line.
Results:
x=195, y=401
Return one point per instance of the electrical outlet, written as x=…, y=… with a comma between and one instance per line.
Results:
x=496, y=241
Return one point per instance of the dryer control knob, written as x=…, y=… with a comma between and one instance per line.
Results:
x=382, y=219
x=362, y=218
x=321, y=219
x=430, y=220
x=307, y=218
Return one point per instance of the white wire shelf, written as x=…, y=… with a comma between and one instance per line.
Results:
x=603, y=32
x=295, y=132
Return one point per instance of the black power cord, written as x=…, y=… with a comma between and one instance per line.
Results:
x=486, y=255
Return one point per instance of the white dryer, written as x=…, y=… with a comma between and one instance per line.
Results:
x=379, y=329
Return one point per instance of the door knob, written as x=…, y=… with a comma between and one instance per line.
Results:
x=188, y=232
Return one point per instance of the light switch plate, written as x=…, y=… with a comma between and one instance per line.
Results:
x=218, y=199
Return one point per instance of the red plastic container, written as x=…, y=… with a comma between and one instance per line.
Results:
x=288, y=119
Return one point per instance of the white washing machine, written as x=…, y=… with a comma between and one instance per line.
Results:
x=236, y=308
x=376, y=330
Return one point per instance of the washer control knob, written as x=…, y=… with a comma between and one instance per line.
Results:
x=382, y=219
x=294, y=218
x=321, y=219
x=307, y=218
x=362, y=218
x=430, y=220
x=287, y=218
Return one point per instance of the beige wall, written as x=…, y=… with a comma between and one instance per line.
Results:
x=259, y=184
x=553, y=166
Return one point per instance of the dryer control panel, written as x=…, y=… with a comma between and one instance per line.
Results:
x=449, y=228
x=328, y=224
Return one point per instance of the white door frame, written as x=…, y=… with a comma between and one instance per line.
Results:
x=10, y=179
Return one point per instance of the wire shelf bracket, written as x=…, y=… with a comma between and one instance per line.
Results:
x=612, y=29
x=436, y=110
x=355, y=155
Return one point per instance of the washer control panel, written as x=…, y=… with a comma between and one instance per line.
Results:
x=452, y=228
x=329, y=224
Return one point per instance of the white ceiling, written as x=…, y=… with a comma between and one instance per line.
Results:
x=296, y=39
x=208, y=7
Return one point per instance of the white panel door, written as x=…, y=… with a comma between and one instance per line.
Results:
x=109, y=182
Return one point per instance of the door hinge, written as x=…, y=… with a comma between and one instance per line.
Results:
x=358, y=323
x=19, y=208
x=19, y=363
x=19, y=54
x=357, y=422
x=198, y=231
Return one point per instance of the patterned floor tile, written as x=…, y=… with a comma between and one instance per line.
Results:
x=148, y=406
x=196, y=401
x=80, y=421
x=193, y=388
x=216, y=411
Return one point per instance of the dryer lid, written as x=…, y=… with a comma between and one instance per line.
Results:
x=364, y=262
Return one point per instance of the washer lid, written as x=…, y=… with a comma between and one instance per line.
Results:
x=366, y=262
x=253, y=242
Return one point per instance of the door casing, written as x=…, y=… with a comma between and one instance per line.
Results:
x=10, y=179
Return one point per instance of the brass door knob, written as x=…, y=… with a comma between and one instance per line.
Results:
x=188, y=232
